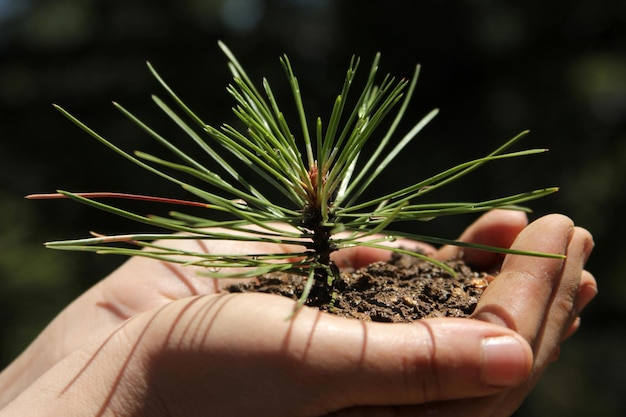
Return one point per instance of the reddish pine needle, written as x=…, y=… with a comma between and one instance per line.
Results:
x=120, y=195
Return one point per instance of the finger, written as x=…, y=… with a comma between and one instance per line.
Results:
x=520, y=295
x=434, y=360
x=495, y=228
x=587, y=290
x=563, y=311
x=571, y=330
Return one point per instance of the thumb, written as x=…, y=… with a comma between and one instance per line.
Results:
x=237, y=355
x=317, y=363
x=430, y=360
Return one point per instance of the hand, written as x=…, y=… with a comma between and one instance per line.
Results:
x=539, y=298
x=153, y=339
x=548, y=296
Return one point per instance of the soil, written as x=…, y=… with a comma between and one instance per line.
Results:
x=403, y=289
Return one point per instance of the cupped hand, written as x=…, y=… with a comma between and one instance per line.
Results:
x=541, y=299
x=153, y=339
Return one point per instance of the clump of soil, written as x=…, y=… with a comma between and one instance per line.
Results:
x=403, y=289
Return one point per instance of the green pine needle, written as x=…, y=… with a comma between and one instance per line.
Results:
x=319, y=169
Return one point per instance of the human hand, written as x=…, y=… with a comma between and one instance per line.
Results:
x=539, y=298
x=236, y=355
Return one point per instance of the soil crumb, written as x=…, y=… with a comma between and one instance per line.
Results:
x=404, y=289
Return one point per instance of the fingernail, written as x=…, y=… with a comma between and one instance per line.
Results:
x=506, y=361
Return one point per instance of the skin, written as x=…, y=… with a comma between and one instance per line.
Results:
x=158, y=340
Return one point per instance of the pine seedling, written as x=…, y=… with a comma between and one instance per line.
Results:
x=320, y=171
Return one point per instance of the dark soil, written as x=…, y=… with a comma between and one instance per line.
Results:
x=401, y=290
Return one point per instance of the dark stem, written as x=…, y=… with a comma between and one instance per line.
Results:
x=321, y=243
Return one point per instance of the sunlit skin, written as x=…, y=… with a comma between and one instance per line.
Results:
x=153, y=339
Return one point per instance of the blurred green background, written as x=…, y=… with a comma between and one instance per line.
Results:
x=494, y=68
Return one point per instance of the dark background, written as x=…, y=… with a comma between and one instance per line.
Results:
x=494, y=68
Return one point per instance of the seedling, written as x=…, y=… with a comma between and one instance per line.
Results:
x=320, y=170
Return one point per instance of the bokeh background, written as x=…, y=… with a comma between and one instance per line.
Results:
x=494, y=68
